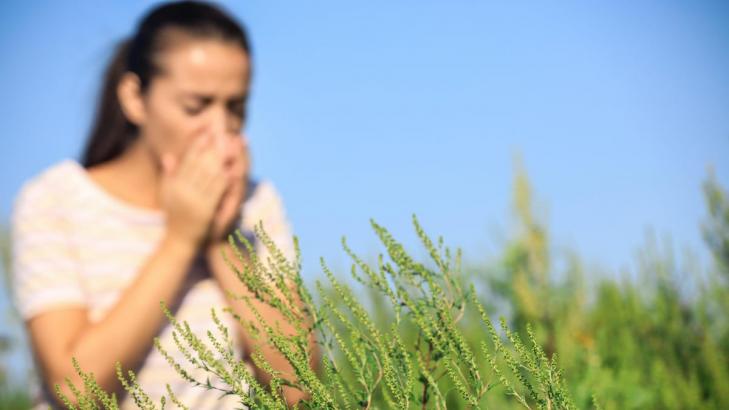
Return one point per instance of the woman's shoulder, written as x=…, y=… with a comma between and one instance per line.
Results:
x=262, y=193
x=47, y=188
x=265, y=207
x=263, y=203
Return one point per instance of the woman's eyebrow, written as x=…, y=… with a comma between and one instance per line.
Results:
x=208, y=98
x=240, y=98
x=205, y=98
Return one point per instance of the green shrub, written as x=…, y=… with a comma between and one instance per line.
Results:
x=418, y=357
x=406, y=334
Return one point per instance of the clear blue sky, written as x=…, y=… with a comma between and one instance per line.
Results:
x=383, y=109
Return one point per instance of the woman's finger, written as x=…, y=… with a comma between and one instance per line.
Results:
x=210, y=168
x=237, y=167
x=246, y=158
x=188, y=166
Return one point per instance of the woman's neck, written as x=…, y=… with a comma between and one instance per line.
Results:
x=132, y=177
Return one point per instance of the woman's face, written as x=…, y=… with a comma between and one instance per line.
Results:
x=202, y=86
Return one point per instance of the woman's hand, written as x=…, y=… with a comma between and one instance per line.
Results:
x=228, y=213
x=191, y=189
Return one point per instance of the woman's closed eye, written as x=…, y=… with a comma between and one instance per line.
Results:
x=194, y=108
x=195, y=105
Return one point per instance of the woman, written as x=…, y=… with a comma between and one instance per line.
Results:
x=143, y=218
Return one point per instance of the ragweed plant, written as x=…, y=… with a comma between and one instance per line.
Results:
x=415, y=355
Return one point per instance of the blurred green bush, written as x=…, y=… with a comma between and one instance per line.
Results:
x=409, y=333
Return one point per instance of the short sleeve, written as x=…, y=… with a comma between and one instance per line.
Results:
x=44, y=268
x=265, y=206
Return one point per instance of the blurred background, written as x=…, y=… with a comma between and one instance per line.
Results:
x=601, y=121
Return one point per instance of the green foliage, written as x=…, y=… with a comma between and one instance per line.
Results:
x=659, y=340
x=408, y=334
x=420, y=357
x=716, y=229
x=13, y=399
x=11, y=395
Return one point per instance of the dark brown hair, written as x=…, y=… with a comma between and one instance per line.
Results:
x=112, y=132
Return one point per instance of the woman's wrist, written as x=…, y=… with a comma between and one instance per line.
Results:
x=180, y=246
x=223, y=239
x=214, y=247
x=216, y=244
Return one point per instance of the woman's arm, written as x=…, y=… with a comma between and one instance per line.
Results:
x=190, y=190
x=124, y=335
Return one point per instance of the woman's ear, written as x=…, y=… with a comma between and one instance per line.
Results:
x=129, y=92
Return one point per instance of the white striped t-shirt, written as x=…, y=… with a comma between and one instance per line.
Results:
x=73, y=243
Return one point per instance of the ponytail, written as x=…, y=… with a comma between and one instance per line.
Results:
x=111, y=132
